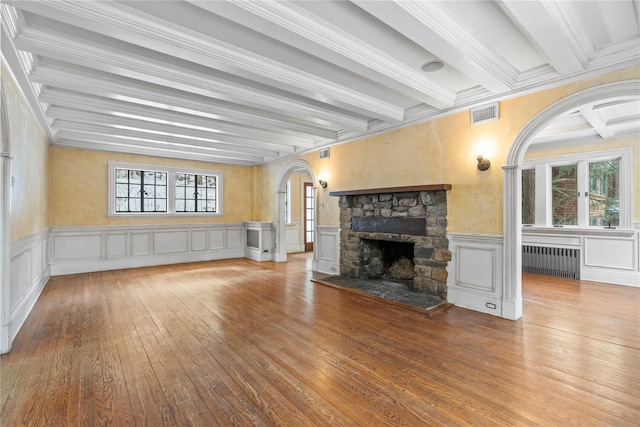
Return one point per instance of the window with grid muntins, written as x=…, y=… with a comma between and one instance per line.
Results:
x=196, y=193
x=141, y=191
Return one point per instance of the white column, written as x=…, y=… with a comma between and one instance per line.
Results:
x=512, y=276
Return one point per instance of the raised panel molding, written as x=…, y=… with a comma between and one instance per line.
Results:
x=86, y=249
x=30, y=272
x=117, y=245
x=327, y=253
x=170, y=242
x=475, y=273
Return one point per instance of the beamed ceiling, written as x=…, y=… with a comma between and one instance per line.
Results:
x=247, y=82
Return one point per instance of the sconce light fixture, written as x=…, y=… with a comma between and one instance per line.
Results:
x=483, y=164
x=323, y=183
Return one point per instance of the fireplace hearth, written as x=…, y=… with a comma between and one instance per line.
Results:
x=396, y=233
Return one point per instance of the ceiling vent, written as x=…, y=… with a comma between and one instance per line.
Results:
x=323, y=154
x=485, y=113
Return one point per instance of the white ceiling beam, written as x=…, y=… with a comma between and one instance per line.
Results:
x=73, y=115
x=134, y=148
x=117, y=20
x=68, y=129
x=65, y=79
x=121, y=62
x=103, y=105
x=438, y=19
x=88, y=137
x=543, y=30
x=203, y=111
x=317, y=30
x=403, y=22
x=598, y=122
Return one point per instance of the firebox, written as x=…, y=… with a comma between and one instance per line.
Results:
x=386, y=259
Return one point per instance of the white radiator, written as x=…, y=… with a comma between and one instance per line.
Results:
x=559, y=262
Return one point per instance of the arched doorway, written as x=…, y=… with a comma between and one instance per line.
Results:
x=5, y=224
x=281, y=191
x=512, y=262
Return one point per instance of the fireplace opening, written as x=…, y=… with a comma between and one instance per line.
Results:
x=386, y=259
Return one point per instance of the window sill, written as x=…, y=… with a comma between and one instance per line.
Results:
x=569, y=231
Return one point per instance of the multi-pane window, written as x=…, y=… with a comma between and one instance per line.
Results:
x=196, y=193
x=139, y=190
x=576, y=190
x=564, y=194
x=287, y=203
x=604, y=199
x=529, y=196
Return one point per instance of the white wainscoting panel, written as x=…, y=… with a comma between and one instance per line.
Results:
x=262, y=247
x=29, y=274
x=608, y=256
x=609, y=253
x=327, y=250
x=77, y=246
x=475, y=272
x=216, y=239
x=293, y=234
x=117, y=245
x=198, y=240
x=141, y=243
x=234, y=238
x=171, y=242
x=85, y=249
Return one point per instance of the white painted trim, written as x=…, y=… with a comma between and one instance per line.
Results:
x=328, y=249
x=512, y=203
x=86, y=249
x=280, y=252
x=30, y=271
x=171, y=191
x=264, y=250
x=5, y=221
x=472, y=284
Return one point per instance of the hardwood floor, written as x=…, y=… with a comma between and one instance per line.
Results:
x=239, y=342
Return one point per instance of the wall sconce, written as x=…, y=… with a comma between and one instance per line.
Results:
x=323, y=183
x=483, y=164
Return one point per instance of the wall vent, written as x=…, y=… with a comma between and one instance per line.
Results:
x=558, y=262
x=485, y=113
x=323, y=154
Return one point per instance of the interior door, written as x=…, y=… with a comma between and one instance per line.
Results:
x=309, y=216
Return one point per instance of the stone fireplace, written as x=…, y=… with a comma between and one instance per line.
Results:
x=398, y=233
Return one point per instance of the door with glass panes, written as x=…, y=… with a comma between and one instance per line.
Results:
x=309, y=215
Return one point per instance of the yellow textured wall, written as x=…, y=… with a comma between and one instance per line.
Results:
x=633, y=142
x=29, y=202
x=440, y=151
x=78, y=190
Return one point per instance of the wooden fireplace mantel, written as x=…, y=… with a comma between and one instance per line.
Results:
x=432, y=187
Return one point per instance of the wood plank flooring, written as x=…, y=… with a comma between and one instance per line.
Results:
x=238, y=342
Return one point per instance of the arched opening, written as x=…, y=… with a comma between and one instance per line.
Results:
x=512, y=285
x=5, y=224
x=281, y=192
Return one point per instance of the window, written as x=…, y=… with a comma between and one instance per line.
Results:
x=196, y=193
x=579, y=190
x=287, y=204
x=141, y=190
x=528, y=196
